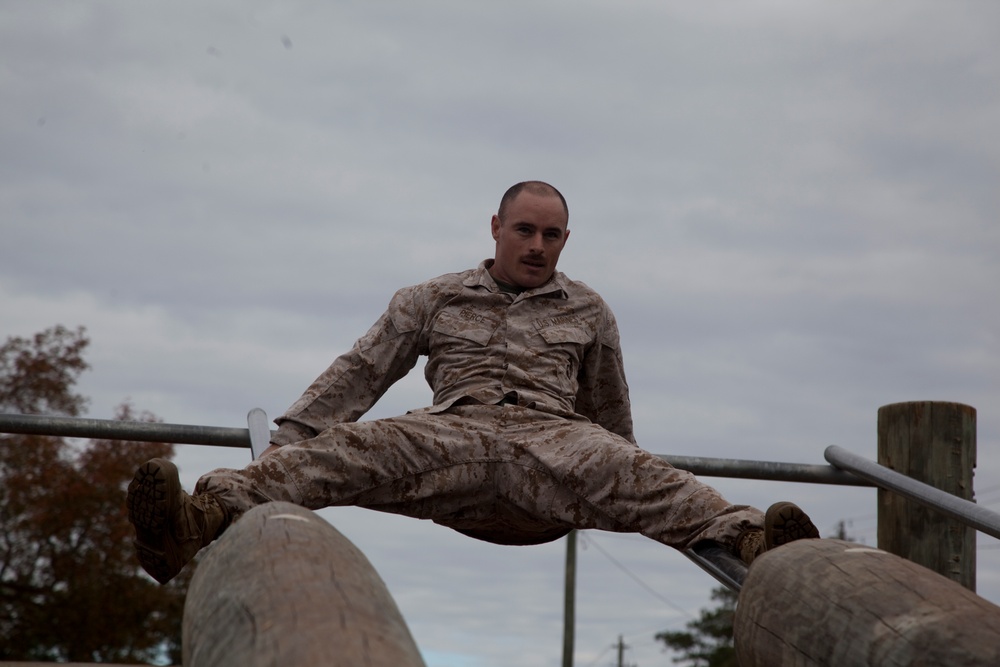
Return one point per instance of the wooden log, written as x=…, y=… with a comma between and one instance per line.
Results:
x=283, y=587
x=933, y=442
x=830, y=602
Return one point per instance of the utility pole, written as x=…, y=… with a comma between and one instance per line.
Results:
x=569, y=610
x=621, y=652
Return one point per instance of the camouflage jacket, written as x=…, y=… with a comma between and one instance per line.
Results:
x=554, y=348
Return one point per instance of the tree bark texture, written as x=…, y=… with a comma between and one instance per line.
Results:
x=283, y=587
x=834, y=603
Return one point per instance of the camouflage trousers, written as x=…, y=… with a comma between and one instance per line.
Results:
x=504, y=474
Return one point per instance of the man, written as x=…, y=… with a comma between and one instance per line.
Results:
x=529, y=435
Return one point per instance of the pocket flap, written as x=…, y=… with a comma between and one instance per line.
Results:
x=467, y=324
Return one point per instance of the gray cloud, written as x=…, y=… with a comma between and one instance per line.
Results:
x=791, y=208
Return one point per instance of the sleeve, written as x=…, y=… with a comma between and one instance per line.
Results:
x=603, y=393
x=357, y=379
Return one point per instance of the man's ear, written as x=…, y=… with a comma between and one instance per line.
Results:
x=495, y=227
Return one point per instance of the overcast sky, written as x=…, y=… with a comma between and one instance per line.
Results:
x=792, y=208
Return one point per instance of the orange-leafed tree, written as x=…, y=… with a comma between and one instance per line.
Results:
x=70, y=586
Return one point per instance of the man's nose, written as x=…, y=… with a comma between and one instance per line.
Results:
x=536, y=244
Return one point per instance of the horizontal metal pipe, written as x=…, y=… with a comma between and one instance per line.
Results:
x=966, y=511
x=768, y=470
x=727, y=569
x=112, y=429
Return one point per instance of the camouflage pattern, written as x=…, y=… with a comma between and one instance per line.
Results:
x=554, y=349
x=529, y=434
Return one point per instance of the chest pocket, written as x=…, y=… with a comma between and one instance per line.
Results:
x=566, y=344
x=467, y=325
x=561, y=334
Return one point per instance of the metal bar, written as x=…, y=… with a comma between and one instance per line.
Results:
x=727, y=569
x=966, y=511
x=111, y=429
x=768, y=470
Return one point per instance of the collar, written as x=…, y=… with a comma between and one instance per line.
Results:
x=555, y=287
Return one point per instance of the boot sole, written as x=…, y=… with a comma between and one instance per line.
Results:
x=151, y=501
x=784, y=522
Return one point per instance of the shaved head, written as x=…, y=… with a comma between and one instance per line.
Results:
x=539, y=188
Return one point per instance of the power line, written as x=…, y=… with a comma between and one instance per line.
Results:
x=599, y=656
x=635, y=578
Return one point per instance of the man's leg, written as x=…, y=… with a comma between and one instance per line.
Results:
x=611, y=484
x=784, y=522
x=426, y=466
x=397, y=464
x=170, y=526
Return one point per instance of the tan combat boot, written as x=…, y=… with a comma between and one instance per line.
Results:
x=784, y=522
x=170, y=525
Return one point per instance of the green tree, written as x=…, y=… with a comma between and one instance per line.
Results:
x=709, y=642
x=70, y=586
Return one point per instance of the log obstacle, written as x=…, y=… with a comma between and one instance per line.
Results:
x=283, y=587
x=835, y=603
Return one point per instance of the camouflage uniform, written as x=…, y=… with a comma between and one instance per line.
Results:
x=529, y=435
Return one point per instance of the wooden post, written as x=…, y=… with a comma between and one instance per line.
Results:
x=830, y=602
x=935, y=443
x=283, y=587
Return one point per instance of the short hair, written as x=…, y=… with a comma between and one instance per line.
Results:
x=534, y=187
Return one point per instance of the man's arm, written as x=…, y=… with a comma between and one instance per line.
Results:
x=603, y=393
x=357, y=379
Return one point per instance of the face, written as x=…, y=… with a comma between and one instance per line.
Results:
x=529, y=240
